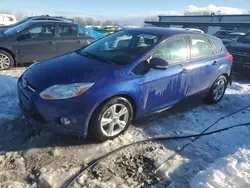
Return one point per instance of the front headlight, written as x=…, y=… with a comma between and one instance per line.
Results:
x=65, y=91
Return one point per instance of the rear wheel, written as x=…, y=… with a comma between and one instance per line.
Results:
x=217, y=90
x=6, y=60
x=111, y=119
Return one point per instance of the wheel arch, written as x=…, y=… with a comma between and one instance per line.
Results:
x=226, y=75
x=130, y=98
x=9, y=51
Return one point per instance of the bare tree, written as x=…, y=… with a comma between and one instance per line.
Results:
x=5, y=11
x=80, y=20
x=197, y=13
x=107, y=22
x=19, y=15
x=151, y=18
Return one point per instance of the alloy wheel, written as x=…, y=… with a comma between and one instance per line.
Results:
x=219, y=89
x=114, y=120
x=4, y=62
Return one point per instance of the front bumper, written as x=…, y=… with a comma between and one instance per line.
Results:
x=45, y=114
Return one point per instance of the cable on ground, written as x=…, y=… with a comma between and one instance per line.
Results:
x=161, y=138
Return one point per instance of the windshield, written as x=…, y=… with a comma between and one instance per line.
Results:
x=17, y=29
x=235, y=36
x=245, y=38
x=123, y=47
x=222, y=32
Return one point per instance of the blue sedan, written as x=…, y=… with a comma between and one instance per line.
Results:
x=98, y=90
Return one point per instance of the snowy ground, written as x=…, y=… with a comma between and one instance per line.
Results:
x=34, y=158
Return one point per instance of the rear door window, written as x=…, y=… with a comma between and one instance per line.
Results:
x=200, y=47
x=67, y=31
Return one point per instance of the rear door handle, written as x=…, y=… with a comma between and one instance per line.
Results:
x=184, y=70
x=214, y=63
x=79, y=42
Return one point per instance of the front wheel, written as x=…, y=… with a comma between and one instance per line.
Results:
x=111, y=119
x=217, y=90
x=6, y=60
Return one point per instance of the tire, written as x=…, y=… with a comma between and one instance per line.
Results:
x=6, y=60
x=100, y=130
x=221, y=85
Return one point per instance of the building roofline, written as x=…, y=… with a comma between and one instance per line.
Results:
x=195, y=23
x=204, y=15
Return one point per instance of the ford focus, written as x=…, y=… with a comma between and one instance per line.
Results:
x=99, y=89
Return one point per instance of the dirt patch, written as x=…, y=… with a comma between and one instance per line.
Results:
x=137, y=170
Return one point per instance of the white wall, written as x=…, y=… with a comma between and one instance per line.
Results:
x=213, y=29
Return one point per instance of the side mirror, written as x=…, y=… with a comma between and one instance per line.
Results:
x=158, y=63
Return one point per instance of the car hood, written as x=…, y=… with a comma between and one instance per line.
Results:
x=67, y=69
x=239, y=47
x=226, y=41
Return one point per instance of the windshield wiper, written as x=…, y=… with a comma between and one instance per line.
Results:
x=97, y=57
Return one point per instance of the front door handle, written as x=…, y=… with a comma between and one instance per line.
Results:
x=215, y=63
x=50, y=42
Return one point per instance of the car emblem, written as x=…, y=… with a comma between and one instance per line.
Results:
x=24, y=83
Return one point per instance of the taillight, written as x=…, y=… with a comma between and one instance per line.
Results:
x=230, y=57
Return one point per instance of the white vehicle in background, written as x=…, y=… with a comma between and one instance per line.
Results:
x=194, y=30
x=7, y=19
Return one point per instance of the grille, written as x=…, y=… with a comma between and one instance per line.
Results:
x=29, y=109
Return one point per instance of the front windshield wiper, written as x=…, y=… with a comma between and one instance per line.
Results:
x=100, y=58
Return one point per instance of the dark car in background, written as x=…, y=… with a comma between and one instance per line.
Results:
x=42, y=17
x=241, y=54
x=33, y=41
x=222, y=34
x=232, y=37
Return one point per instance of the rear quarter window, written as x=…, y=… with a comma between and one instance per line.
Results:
x=217, y=46
x=200, y=47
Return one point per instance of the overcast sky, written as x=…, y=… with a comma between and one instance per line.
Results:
x=123, y=10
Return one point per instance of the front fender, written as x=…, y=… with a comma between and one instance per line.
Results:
x=129, y=88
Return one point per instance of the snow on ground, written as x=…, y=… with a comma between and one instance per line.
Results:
x=31, y=158
x=230, y=171
x=8, y=97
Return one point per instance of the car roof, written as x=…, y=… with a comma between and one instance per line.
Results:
x=51, y=21
x=225, y=31
x=237, y=33
x=166, y=32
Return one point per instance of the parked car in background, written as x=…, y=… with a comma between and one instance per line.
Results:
x=222, y=34
x=241, y=54
x=99, y=89
x=7, y=19
x=106, y=30
x=90, y=32
x=194, y=30
x=33, y=41
x=43, y=17
x=232, y=37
